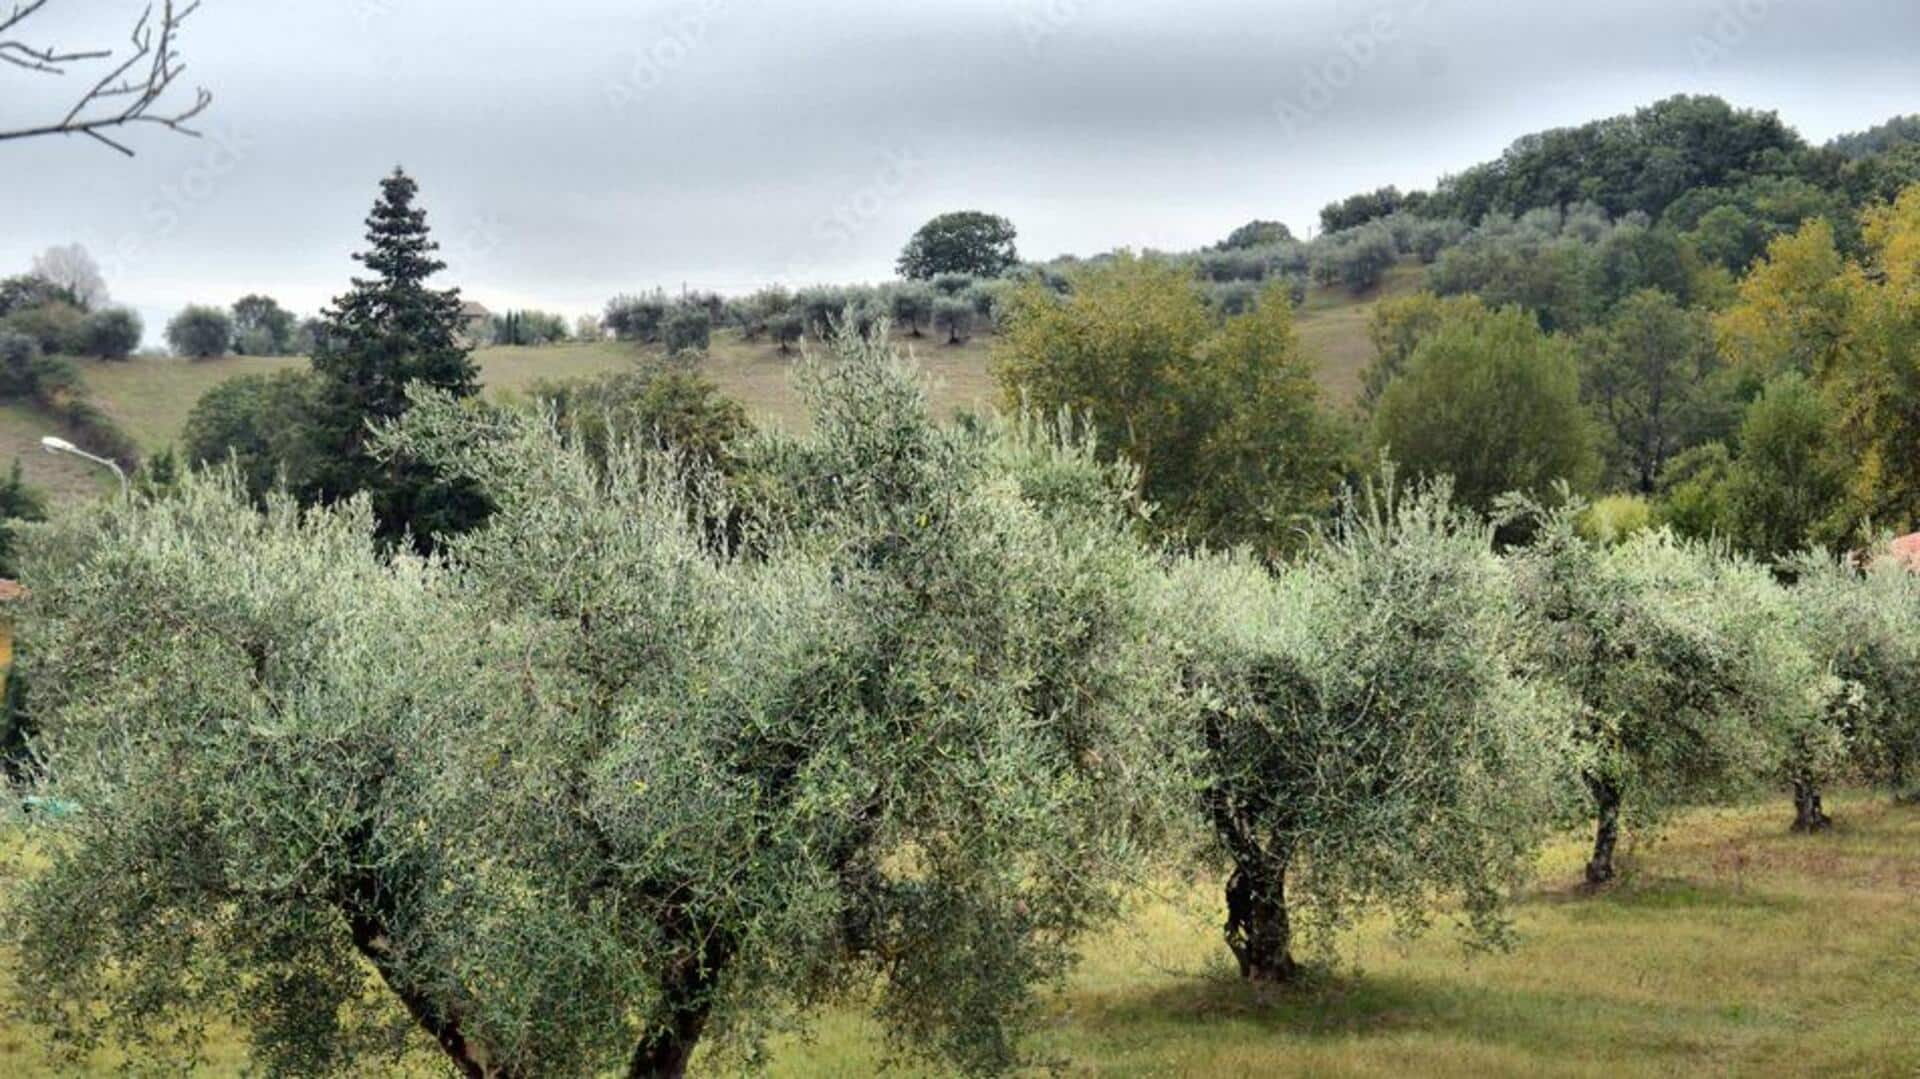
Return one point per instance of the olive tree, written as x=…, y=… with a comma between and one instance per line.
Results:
x=1683, y=659
x=911, y=304
x=1368, y=742
x=954, y=315
x=595, y=788
x=111, y=333
x=786, y=328
x=1858, y=623
x=200, y=332
x=687, y=328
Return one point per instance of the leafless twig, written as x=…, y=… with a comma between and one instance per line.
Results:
x=128, y=93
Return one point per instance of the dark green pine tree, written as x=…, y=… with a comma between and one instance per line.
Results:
x=388, y=331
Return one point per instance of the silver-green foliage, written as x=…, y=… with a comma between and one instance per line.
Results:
x=599, y=784
x=1862, y=625
x=1690, y=678
x=1368, y=741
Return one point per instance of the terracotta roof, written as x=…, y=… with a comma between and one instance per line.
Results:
x=1907, y=550
x=11, y=591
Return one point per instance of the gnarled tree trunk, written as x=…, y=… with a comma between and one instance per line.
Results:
x=1808, y=816
x=364, y=903
x=1606, y=801
x=674, y=1032
x=666, y=1050
x=1257, y=930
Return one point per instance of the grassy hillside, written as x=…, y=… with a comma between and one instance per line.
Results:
x=62, y=477
x=1733, y=948
x=150, y=398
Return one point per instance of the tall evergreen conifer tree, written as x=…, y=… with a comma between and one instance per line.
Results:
x=388, y=331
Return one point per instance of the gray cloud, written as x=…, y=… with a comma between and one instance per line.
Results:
x=584, y=147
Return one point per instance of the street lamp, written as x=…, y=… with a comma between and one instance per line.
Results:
x=61, y=445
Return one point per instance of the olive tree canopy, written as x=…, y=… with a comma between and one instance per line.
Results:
x=597, y=785
x=1369, y=743
x=1683, y=658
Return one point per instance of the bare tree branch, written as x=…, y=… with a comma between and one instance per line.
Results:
x=130, y=91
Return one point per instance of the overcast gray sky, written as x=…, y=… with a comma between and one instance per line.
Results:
x=570, y=149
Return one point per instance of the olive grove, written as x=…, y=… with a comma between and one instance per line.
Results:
x=598, y=787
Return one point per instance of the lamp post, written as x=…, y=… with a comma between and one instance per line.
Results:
x=61, y=445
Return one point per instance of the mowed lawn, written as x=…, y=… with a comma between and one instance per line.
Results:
x=1731, y=948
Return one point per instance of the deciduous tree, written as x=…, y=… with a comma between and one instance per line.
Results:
x=966, y=241
x=1490, y=400
x=1223, y=421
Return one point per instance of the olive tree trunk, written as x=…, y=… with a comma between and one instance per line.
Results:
x=673, y=1033
x=1808, y=815
x=1606, y=834
x=1258, y=931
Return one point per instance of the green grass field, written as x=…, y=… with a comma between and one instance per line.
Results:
x=1731, y=948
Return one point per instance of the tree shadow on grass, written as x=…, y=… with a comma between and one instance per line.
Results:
x=1637, y=891
x=1343, y=1007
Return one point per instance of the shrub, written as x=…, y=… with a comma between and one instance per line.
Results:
x=200, y=332
x=56, y=327
x=1615, y=519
